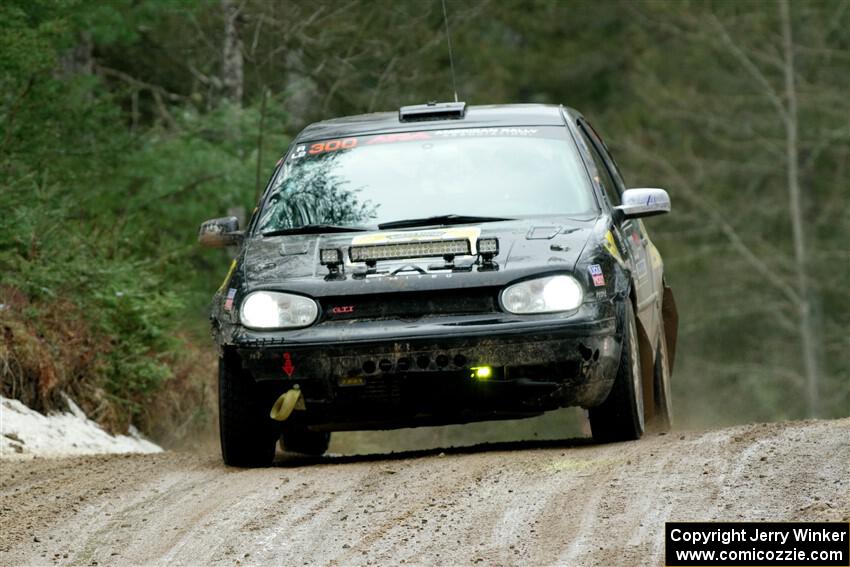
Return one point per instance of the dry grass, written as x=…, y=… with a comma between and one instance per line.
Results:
x=51, y=351
x=184, y=412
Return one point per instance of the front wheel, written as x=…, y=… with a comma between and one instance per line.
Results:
x=247, y=433
x=620, y=417
x=661, y=387
x=302, y=440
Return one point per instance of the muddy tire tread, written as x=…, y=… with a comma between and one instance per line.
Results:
x=247, y=433
x=616, y=419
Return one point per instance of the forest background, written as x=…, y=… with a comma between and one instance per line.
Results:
x=124, y=124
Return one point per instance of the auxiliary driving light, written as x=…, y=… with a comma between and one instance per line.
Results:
x=330, y=256
x=482, y=372
x=488, y=246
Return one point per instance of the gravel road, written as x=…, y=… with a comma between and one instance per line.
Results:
x=567, y=502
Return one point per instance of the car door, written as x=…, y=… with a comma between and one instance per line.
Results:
x=630, y=233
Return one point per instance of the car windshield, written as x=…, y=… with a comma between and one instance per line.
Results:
x=370, y=180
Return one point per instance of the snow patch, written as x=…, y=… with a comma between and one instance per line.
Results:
x=26, y=433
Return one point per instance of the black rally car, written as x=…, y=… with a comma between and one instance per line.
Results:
x=441, y=264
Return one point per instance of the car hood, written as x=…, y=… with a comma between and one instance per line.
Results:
x=526, y=248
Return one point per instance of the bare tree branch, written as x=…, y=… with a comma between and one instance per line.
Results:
x=719, y=220
x=807, y=331
x=750, y=67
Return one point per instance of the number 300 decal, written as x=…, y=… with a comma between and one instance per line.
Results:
x=332, y=146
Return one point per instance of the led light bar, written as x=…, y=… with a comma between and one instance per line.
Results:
x=404, y=250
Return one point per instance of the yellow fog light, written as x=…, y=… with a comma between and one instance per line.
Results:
x=482, y=372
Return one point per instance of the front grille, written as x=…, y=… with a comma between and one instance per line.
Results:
x=410, y=305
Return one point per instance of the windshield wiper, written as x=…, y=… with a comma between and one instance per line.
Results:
x=314, y=229
x=439, y=219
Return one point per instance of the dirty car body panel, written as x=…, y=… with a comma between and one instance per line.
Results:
x=407, y=314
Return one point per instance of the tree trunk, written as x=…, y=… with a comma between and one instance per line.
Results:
x=79, y=59
x=807, y=331
x=232, y=62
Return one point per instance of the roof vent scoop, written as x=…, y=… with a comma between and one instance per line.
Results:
x=432, y=111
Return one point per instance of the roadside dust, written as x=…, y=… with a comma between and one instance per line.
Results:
x=566, y=502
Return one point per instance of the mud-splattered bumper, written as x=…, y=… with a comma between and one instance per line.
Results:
x=394, y=373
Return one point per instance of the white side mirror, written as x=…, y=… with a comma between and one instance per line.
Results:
x=647, y=202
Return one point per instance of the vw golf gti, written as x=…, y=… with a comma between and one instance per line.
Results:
x=441, y=264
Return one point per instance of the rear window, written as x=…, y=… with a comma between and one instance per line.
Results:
x=367, y=180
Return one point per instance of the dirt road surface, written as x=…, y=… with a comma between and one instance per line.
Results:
x=568, y=502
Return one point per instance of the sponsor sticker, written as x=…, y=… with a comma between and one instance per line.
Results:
x=332, y=146
x=300, y=152
x=641, y=268
x=611, y=246
x=228, y=302
x=478, y=132
x=400, y=137
x=596, y=274
x=654, y=256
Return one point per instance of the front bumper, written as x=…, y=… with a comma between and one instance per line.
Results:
x=384, y=374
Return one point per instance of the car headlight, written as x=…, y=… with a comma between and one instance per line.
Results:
x=275, y=310
x=543, y=295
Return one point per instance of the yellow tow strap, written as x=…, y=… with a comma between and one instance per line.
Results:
x=282, y=408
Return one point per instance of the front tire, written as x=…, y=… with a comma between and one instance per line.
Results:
x=247, y=432
x=304, y=441
x=621, y=416
x=661, y=388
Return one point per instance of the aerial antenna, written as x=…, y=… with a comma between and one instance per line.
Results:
x=449, y=41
